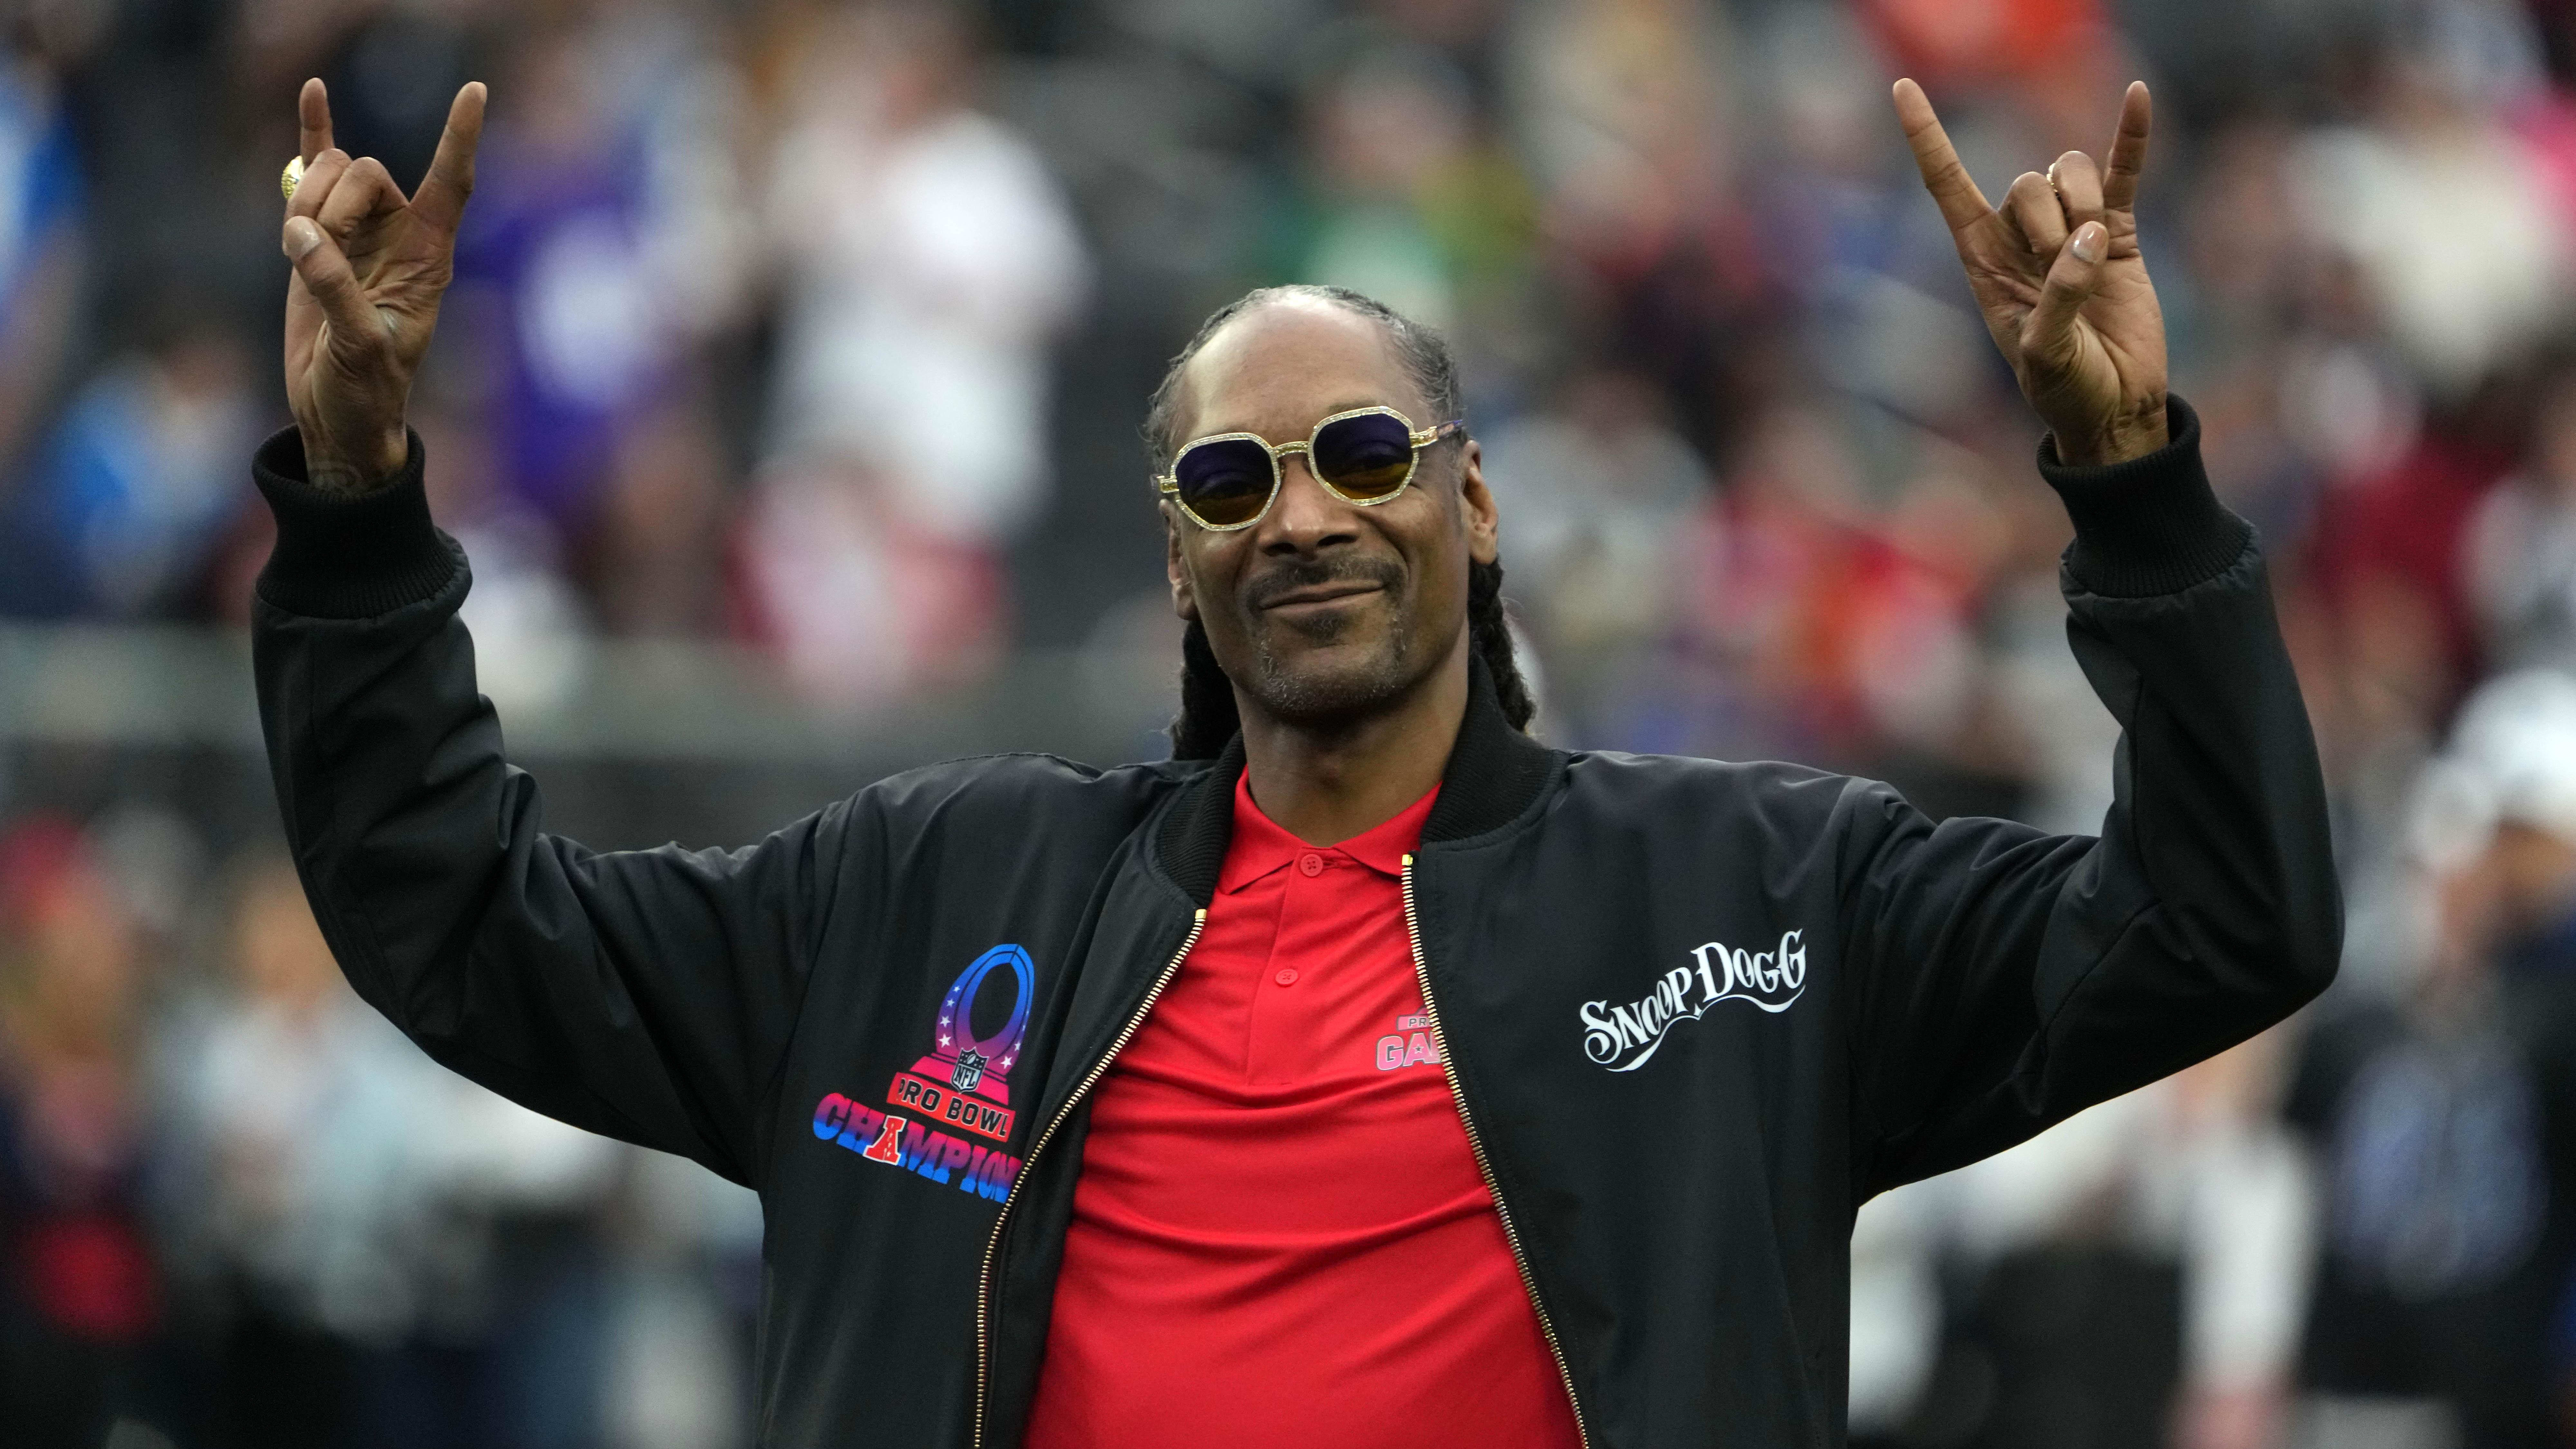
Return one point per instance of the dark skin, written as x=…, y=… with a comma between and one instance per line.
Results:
x=371, y=266
x=2061, y=283
x=1350, y=704
x=1344, y=629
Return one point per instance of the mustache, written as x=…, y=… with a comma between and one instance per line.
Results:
x=1289, y=577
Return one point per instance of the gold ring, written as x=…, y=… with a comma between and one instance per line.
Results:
x=294, y=172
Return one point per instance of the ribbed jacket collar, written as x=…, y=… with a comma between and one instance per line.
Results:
x=1494, y=772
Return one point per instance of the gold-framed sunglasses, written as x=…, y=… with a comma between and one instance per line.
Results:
x=1363, y=457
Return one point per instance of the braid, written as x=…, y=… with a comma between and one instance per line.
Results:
x=1490, y=631
x=1208, y=716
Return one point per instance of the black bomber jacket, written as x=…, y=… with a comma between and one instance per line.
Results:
x=1694, y=1012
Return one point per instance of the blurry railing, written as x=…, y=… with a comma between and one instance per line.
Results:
x=636, y=701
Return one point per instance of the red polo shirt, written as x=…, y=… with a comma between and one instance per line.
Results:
x=1280, y=1237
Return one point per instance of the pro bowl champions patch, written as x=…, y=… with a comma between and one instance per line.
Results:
x=962, y=1084
x=966, y=1079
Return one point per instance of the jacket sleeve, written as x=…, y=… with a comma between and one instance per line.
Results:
x=2003, y=979
x=647, y=995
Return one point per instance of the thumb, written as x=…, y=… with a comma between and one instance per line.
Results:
x=326, y=275
x=2070, y=282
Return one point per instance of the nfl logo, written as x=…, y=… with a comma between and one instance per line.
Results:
x=968, y=1071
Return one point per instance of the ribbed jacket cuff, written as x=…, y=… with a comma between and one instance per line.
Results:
x=349, y=556
x=2149, y=525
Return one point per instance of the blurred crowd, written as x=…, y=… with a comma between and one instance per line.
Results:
x=821, y=329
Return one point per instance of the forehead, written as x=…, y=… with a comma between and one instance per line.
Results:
x=1280, y=367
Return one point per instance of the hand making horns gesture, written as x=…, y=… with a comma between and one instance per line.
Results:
x=2058, y=275
x=370, y=267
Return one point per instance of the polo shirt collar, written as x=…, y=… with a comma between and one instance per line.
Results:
x=1261, y=845
x=1495, y=774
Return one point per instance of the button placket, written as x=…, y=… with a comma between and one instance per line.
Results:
x=1272, y=1016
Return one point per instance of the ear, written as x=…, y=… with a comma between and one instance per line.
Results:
x=1477, y=502
x=1184, y=603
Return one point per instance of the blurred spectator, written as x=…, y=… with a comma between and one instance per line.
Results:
x=928, y=262
x=2446, y=1118
x=512, y=1346
x=550, y=277
x=2132, y=1277
x=529, y=623
x=383, y=1254
x=688, y=1321
x=601, y=252
x=2518, y=733
x=2520, y=548
x=298, y=1102
x=1401, y=198
x=1842, y=630
x=1620, y=106
x=1621, y=109
x=863, y=605
x=2446, y=212
x=42, y=216
x=2038, y=713
x=1598, y=495
x=124, y=509
x=80, y=1284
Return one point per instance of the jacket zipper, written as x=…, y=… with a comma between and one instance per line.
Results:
x=1476, y=1144
x=1100, y=1068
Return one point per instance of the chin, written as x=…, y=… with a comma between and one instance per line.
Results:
x=1310, y=682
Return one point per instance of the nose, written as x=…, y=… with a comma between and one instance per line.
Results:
x=1306, y=519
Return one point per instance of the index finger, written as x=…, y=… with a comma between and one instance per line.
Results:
x=313, y=118
x=440, y=201
x=2128, y=150
x=1953, y=189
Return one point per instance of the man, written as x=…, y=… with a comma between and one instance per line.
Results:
x=1369, y=1072
x=2443, y=1111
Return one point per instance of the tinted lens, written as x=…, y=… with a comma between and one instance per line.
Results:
x=1368, y=456
x=1224, y=482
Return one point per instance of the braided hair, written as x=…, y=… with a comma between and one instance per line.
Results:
x=1208, y=717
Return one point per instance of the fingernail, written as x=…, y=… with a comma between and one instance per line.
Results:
x=2088, y=242
x=302, y=236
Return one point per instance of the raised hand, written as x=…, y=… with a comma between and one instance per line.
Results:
x=2058, y=275
x=370, y=268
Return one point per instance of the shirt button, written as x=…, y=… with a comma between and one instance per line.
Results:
x=1288, y=974
x=1312, y=865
